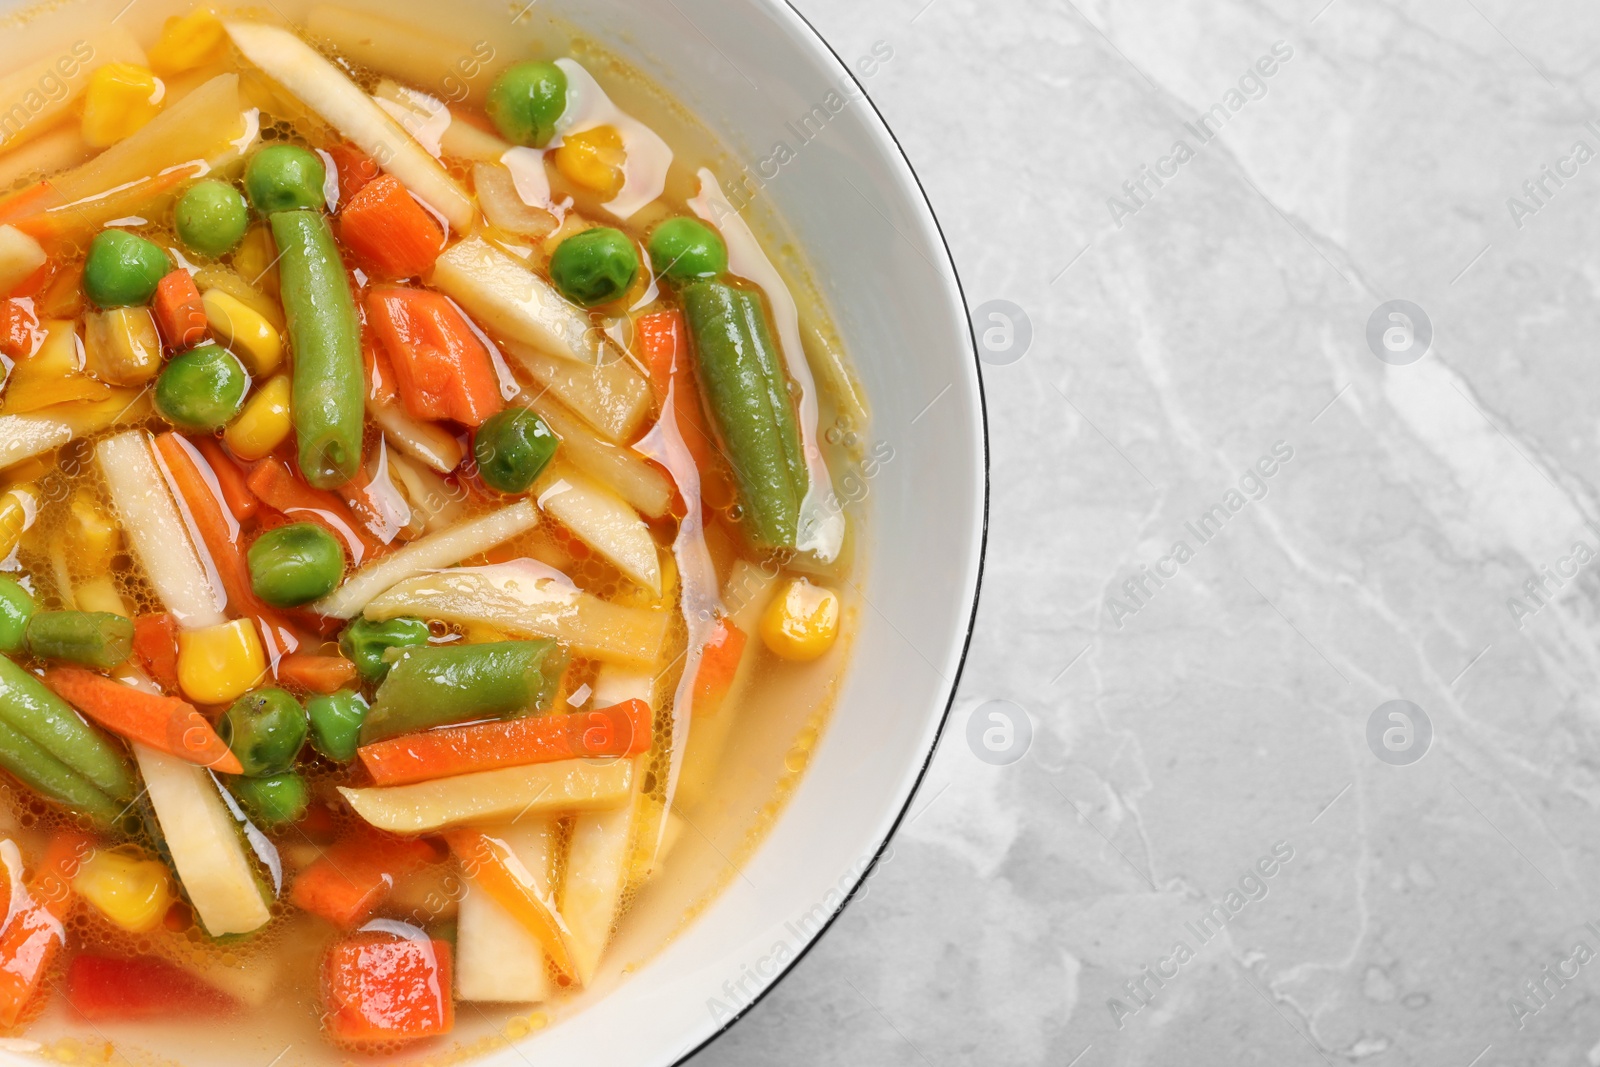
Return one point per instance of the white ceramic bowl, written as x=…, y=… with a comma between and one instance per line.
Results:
x=750, y=70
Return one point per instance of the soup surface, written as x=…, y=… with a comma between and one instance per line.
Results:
x=418, y=542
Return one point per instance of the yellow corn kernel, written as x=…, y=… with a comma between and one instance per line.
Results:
x=91, y=537
x=121, y=346
x=244, y=330
x=19, y=510
x=802, y=622
x=120, y=100
x=220, y=664
x=593, y=159
x=134, y=893
x=189, y=41
x=264, y=422
x=256, y=259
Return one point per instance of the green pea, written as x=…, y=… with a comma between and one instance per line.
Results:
x=202, y=389
x=276, y=800
x=364, y=643
x=265, y=729
x=336, y=723
x=211, y=218
x=526, y=100
x=123, y=269
x=283, y=177
x=511, y=448
x=595, y=266
x=295, y=564
x=16, y=608
x=684, y=249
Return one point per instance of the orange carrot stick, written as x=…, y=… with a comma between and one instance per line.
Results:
x=166, y=724
x=719, y=663
x=155, y=647
x=622, y=730
x=35, y=933
x=279, y=488
x=202, y=497
x=490, y=863
x=664, y=345
x=242, y=503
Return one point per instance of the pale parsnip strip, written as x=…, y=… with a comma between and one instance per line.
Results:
x=422, y=441
x=430, y=121
x=643, y=486
x=497, y=958
x=24, y=436
x=603, y=521
x=443, y=549
x=156, y=531
x=48, y=153
x=34, y=95
x=526, y=601
x=614, y=398
x=489, y=796
x=203, y=838
x=515, y=304
x=209, y=127
x=598, y=857
x=326, y=90
x=413, y=53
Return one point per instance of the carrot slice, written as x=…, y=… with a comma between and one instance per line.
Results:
x=199, y=490
x=441, y=369
x=387, y=229
x=380, y=987
x=719, y=663
x=180, y=314
x=621, y=730
x=353, y=877
x=155, y=647
x=279, y=488
x=34, y=935
x=490, y=863
x=166, y=724
x=318, y=674
x=241, y=502
x=664, y=346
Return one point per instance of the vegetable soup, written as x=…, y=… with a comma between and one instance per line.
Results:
x=418, y=542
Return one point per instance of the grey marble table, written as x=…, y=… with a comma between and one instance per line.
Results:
x=1243, y=500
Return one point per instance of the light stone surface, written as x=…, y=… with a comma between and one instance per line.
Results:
x=1178, y=738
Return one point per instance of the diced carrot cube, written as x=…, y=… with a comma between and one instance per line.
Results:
x=390, y=231
x=180, y=313
x=383, y=987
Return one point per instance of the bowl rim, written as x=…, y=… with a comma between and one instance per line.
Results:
x=881, y=127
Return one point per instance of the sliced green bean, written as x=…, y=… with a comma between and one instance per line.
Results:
x=325, y=337
x=747, y=392
x=49, y=722
x=443, y=684
x=50, y=778
x=92, y=638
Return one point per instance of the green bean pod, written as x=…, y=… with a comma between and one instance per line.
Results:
x=92, y=638
x=49, y=777
x=443, y=684
x=50, y=723
x=325, y=336
x=747, y=392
